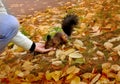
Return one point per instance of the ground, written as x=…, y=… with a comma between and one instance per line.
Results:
x=26, y=7
x=91, y=56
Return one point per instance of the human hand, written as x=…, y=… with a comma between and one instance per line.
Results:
x=40, y=47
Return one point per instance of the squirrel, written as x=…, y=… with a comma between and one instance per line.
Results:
x=68, y=23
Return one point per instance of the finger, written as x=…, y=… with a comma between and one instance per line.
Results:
x=46, y=50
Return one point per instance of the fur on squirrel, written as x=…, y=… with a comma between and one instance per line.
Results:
x=68, y=23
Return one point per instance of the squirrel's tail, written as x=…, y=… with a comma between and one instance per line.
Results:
x=68, y=23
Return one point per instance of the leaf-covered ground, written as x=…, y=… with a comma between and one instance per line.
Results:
x=92, y=55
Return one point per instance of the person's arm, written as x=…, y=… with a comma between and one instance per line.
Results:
x=28, y=44
x=22, y=41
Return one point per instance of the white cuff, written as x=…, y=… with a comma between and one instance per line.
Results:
x=22, y=41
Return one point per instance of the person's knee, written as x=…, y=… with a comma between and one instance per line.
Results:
x=14, y=23
x=9, y=25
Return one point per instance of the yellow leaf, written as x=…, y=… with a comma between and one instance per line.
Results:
x=89, y=16
x=40, y=76
x=27, y=66
x=76, y=80
x=17, y=49
x=75, y=55
x=72, y=70
x=118, y=76
x=56, y=75
x=25, y=83
x=115, y=68
x=69, y=51
x=76, y=70
x=48, y=75
x=19, y=73
x=57, y=63
x=106, y=65
x=104, y=80
x=70, y=76
x=87, y=75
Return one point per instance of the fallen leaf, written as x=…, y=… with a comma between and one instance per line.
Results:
x=19, y=73
x=118, y=77
x=56, y=75
x=96, y=78
x=27, y=66
x=75, y=55
x=75, y=80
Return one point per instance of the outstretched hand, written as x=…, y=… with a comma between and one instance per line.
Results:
x=40, y=47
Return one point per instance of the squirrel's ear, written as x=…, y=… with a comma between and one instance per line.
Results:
x=48, y=37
